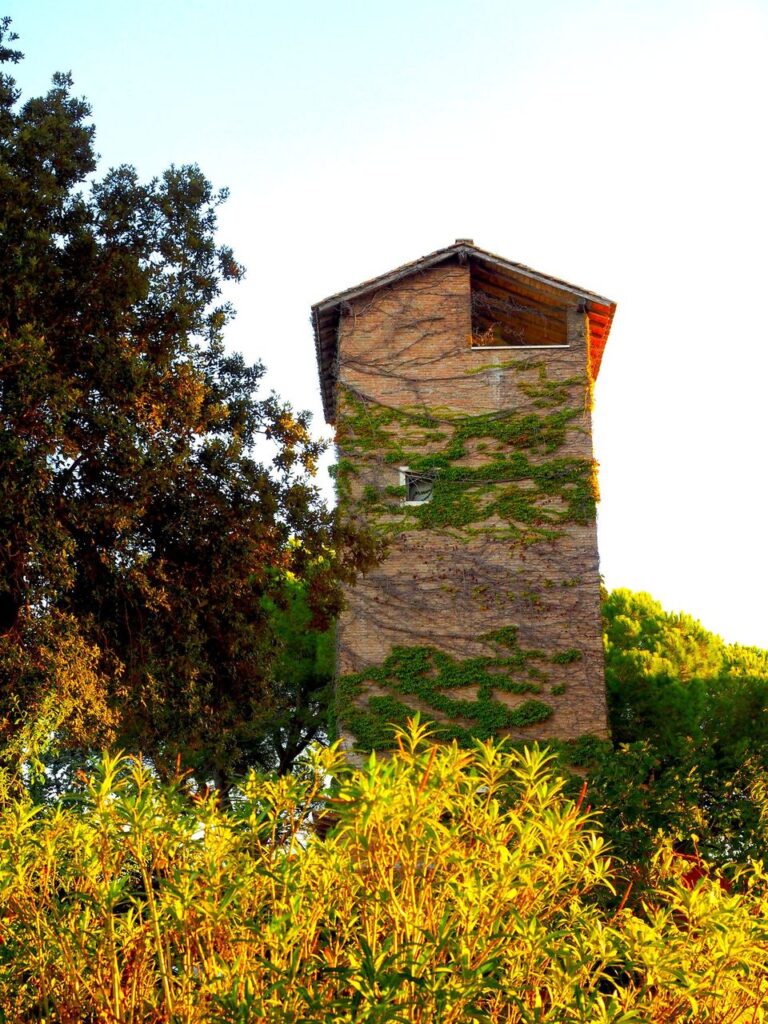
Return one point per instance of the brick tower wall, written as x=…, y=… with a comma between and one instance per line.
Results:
x=489, y=594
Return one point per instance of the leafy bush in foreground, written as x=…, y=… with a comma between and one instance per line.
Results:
x=454, y=886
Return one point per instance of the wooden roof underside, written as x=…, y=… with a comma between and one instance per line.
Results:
x=508, y=298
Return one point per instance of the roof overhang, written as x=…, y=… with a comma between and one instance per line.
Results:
x=327, y=313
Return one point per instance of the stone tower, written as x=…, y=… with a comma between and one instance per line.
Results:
x=460, y=386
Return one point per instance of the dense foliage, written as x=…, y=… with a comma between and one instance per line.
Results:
x=453, y=886
x=690, y=735
x=140, y=533
x=301, y=674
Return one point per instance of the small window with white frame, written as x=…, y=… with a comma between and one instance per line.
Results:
x=418, y=485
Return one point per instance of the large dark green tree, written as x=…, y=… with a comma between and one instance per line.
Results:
x=139, y=533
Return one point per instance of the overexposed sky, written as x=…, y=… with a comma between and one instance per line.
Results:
x=619, y=145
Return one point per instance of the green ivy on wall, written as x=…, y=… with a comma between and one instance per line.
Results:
x=522, y=490
x=432, y=678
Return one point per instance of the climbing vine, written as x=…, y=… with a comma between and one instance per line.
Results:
x=432, y=680
x=515, y=491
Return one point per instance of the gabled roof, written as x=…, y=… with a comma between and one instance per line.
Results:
x=490, y=273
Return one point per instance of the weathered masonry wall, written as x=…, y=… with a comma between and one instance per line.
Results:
x=485, y=615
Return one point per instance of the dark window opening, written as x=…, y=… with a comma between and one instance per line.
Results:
x=511, y=318
x=418, y=486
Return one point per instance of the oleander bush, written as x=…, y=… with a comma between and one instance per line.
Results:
x=442, y=885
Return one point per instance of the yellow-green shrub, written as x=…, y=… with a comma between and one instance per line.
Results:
x=455, y=886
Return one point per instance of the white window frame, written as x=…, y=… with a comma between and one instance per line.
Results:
x=511, y=348
x=404, y=473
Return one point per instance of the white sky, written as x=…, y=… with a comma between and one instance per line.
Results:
x=619, y=145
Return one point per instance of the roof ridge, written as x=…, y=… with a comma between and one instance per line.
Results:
x=462, y=246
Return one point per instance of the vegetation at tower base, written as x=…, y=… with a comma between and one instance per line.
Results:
x=455, y=886
x=688, y=715
x=139, y=532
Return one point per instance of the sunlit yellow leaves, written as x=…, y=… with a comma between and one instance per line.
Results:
x=456, y=886
x=61, y=689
